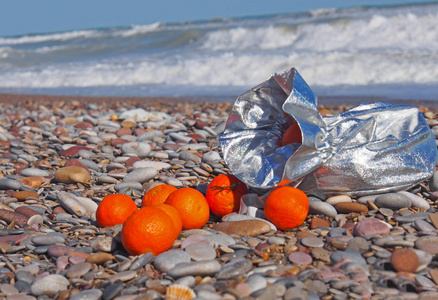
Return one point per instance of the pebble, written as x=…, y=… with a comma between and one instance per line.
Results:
x=141, y=175
x=404, y=260
x=412, y=217
x=197, y=268
x=393, y=201
x=428, y=244
x=34, y=172
x=300, y=258
x=91, y=294
x=72, y=174
x=370, y=226
x=168, y=260
x=49, y=285
x=201, y=252
x=347, y=207
x=312, y=242
x=319, y=207
x=244, y=227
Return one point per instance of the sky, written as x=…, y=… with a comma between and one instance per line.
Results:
x=19, y=17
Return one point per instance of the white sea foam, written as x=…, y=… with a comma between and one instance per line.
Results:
x=331, y=48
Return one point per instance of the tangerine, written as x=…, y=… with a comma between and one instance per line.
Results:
x=224, y=193
x=149, y=229
x=173, y=213
x=192, y=206
x=115, y=209
x=286, y=207
x=157, y=195
x=292, y=135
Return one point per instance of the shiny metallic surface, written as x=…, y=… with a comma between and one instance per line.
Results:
x=371, y=148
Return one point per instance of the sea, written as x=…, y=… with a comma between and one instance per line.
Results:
x=373, y=51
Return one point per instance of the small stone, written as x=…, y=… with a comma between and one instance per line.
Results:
x=358, y=243
x=201, y=252
x=428, y=244
x=78, y=270
x=16, y=238
x=319, y=207
x=300, y=258
x=70, y=203
x=244, y=227
x=349, y=207
x=157, y=165
x=99, y=258
x=338, y=199
x=370, y=226
x=412, y=217
x=26, y=211
x=10, y=216
x=197, y=268
x=122, y=276
x=58, y=250
x=72, y=174
x=404, y=260
x=72, y=150
x=211, y=156
x=35, y=172
x=47, y=240
x=49, y=285
x=188, y=156
x=393, y=201
x=434, y=219
x=416, y=201
x=23, y=195
x=32, y=181
x=318, y=222
x=312, y=242
x=169, y=259
x=140, y=175
x=91, y=294
x=10, y=184
x=112, y=291
x=76, y=163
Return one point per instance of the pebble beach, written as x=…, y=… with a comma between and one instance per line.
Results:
x=60, y=156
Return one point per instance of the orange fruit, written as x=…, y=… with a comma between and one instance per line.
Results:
x=223, y=194
x=192, y=206
x=149, y=229
x=173, y=214
x=115, y=209
x=157, y=195
x=286, y=207
x=292, y=135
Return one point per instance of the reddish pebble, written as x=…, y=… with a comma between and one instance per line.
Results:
x=300, y=258
x=32, y=182
x=195, y=136
x=131, y=161
x=23, y=195
x=139, y=131
x=76, y=259
x=42, y=163
x=124, y=131
x=76, y=163
x=77, y=254
x=11, y=216
x=17, y=238
x=26, y=211
x=200, y=124
x=73, y=150
x=116, y=142
x=58, y=209
x=83, y=125
x=59, y=250
x=349, y=207
x=318, y=222
x=370, y=226
x=404, y=260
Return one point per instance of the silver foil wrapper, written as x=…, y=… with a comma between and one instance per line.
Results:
x=372, y=148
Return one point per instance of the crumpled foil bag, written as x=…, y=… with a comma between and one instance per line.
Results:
x=370, y=149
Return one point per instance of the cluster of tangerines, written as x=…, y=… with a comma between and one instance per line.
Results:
x=166, y=210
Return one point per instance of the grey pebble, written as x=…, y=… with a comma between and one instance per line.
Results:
x=358, y=243
x=393, y=201
x=317, y=207
x=49, y=285
x=78, y=270
x=169, y=259
x=111, y=291
x=353, y=255
x=173, y=181
x=211, y=156
x=256, y=282
x=312, y=242
x=412, y=217
x=433, y=183
x=422, y=225
x=90, y=164
x=197, y=268
x=217, y=240
x=124, y=185
x=86, y=154
x=107, y=179
x=234, y=268
x=70, y=203
x=35, y=172
x=140, y=175
x=188, y=156
x=123, y=276
x=10, y=184
x=47, y=240
x=141, y=261
x=201, y=251
x=416, y=201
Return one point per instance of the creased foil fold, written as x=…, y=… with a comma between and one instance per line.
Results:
x=369, y=149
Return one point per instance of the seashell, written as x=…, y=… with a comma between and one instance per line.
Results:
x=179, y=292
